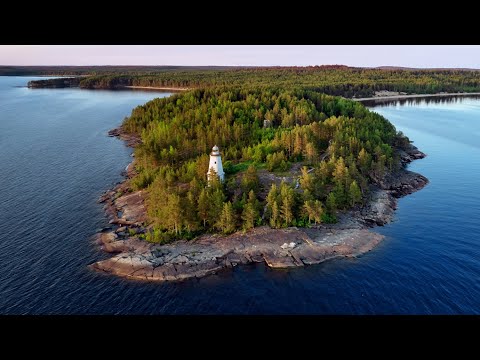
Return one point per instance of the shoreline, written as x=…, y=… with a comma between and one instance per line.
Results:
x=291, y=247
x=384, y=95
x=412, y=96
x=157, y=88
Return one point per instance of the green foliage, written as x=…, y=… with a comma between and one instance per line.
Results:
x=231, y=169
x=277, y=162
x=313, y=210
x=216, y=204
x=306, y=180
x=226, y=221
x=250, y=180
x=331, y=203
x=157, y=236
x=333, y=80
x=204, y=206
x=354, y=193
x=344, y=145
x=250, y=213
x=329, y=218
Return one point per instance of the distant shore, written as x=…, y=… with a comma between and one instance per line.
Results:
x=157, y=88
x=62, y=81
x=74, y=82
x=401, y=96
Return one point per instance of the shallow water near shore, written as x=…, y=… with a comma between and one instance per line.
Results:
x=57, y=159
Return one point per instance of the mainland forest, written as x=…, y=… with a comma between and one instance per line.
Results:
x=333, y=80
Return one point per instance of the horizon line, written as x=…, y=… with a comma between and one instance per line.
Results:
x=254, y=66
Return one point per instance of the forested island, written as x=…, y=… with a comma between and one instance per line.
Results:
x=266, y=137
x=307, y=171
x=305, y=175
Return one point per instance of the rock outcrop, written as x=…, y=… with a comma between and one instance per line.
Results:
x=278, y=248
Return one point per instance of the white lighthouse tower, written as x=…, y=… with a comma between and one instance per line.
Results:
x=216, y=163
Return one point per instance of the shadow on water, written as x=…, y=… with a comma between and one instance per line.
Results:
x=451, y=99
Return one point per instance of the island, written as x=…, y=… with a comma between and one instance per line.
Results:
x=304, y=178
x=306, y=169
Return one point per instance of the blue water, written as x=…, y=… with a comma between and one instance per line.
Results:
x=56, y=160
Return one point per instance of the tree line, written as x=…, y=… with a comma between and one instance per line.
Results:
x=334, y=80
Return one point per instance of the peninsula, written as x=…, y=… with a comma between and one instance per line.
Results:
x=306, y=176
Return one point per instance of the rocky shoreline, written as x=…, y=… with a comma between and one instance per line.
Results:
x=278, y=248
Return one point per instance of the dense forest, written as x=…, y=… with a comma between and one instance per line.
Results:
x=55, y=83
x=334, y=80
x=338, y=146
x=294, y=153
x=10, y=70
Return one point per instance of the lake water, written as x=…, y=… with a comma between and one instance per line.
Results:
x=56, y=159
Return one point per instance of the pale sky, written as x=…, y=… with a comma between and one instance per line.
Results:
x=464, y=56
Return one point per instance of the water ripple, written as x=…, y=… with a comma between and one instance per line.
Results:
x=56, y=160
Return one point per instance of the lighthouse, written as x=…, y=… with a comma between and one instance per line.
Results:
x=216, y=163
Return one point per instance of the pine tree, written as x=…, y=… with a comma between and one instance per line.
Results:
x=306, y=180
x=354, y=193
x=190, y=211
x=287, y=207
x=174, y=213
x=201, y=165
x=364, y=160
x=308, y=210
x=216, y=205
x=314, y=210
x=271, y=198
x=331, y=203
x=249, y=216
x=203, y=206
x=250, y=211
x=226, y=221
x=340, y=171
x=318, y=211
x=298, y=145
x=380, y=166
x=275, y=215
x=307, y=195
x=323, y=172
x=310, y=152
x=250, y=180
x=157, y=201
x=340, y=193
x=213, y=179
x=194, y=188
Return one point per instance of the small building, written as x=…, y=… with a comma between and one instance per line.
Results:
x=216, y=164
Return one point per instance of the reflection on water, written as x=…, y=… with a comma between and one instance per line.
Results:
x=419, y=100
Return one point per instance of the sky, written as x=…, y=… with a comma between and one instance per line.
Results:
x=422, y=56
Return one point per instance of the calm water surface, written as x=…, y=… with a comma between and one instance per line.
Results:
x=56, y=160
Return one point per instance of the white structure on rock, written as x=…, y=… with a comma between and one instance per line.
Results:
x=215, y=164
